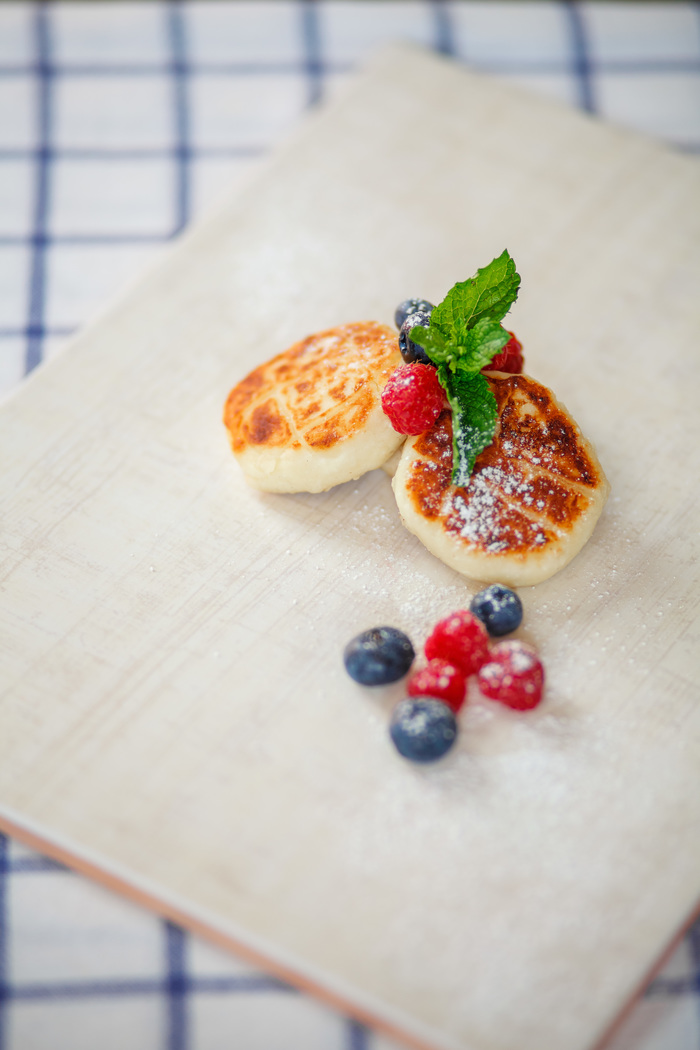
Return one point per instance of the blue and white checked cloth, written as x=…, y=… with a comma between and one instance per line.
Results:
x=119, y=123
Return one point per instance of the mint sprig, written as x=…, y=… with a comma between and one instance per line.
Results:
x=489, y=293
x=464, y=335
x=474, y=417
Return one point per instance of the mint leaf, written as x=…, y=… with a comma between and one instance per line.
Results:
x=463, y=336
x=480, y=344
x=490, y=293
x=486, y=338
x=474, y=418
x=433, y=342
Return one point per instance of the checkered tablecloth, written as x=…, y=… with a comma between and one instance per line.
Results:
x=119, y=123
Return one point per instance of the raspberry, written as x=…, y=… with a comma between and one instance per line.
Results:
x=510, y=358
x=514, y=675
x=441, y=680
x=413, y=398
x=462, y=640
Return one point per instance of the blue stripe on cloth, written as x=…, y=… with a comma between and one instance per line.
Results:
x=17, y=240
x=115, y=988
x=311, y=39
x=581, y=60
x=444, y=39
x=75, y=69
x=667, y=987
x=34, y=865
x=4, y=848
x=37, y=279
x=512, y=65
x=693, y=942
x=358, y=1036
x=133, y=153
x=105, y=989
x=23, y=333
x=254, y=982
x=177, y=988
x=179, y=72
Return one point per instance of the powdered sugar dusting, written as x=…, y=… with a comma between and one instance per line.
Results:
x=526, y=492
x=481, y=515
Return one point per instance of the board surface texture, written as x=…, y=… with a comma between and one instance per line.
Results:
x=174, y=713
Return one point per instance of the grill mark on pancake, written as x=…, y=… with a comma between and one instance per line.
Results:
x=558, y=504
x=267, y=426
x=323, y=437
x=344, y=423
x=324, y=364
x=577, y=486
x=340, y=391
x=541, y=493
x=481, y=516
x=310, y=410
x=239, y=398
x=478, y=512
x=436, y=443
x=546, y=438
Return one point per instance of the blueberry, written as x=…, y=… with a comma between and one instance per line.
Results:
x=423, y=730
x=411, y=306
x=378, y=656
x=499, y=609
x=411, y=351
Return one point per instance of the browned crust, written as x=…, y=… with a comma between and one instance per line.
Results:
x=527, y=490
x=319, y=392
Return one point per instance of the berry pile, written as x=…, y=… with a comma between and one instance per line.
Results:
x=413, y=397
x=424, y=725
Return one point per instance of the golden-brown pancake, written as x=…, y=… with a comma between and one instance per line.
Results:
x=312, y=417
x=533, y=498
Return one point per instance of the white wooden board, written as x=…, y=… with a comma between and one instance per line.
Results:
x=174, y=715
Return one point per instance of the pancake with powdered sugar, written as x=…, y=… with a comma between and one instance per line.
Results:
x=532, y=501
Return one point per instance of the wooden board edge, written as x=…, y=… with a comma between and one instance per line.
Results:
x=653, y=971
x=300, y=977
x=147, y=898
